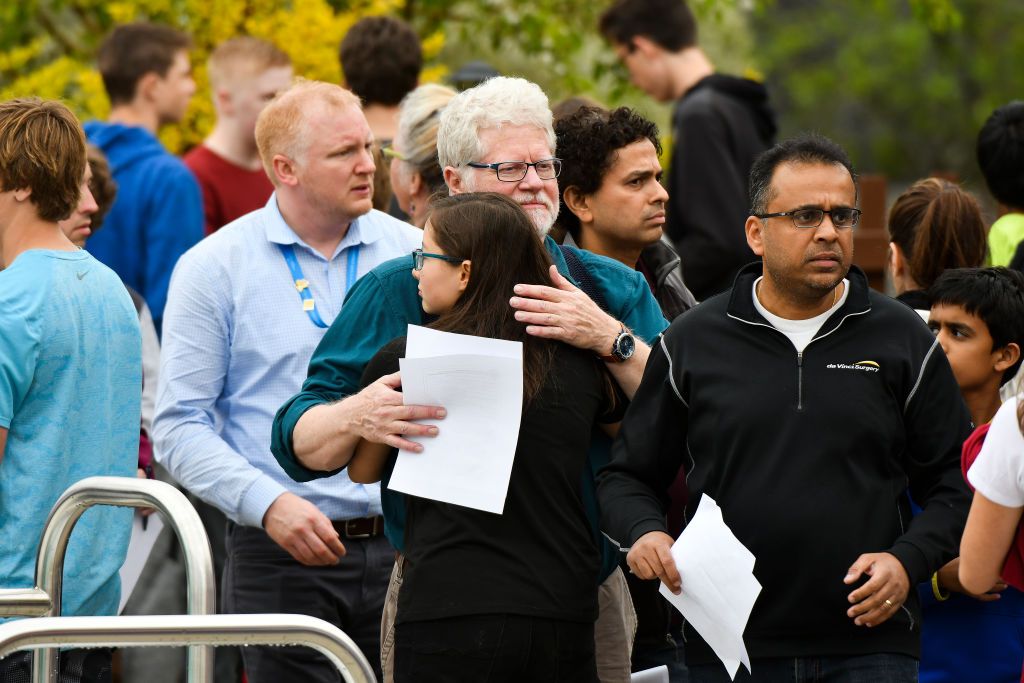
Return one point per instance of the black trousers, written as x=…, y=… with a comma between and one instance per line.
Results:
x=261, y=577
x=494, y=648
x=76, y=666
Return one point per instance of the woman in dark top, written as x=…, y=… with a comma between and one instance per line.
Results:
x=509, y=597
x=933, y=226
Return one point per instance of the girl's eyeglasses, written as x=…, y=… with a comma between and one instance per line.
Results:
x=418, y=255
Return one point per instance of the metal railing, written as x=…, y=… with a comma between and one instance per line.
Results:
x=45, y=599
x=210, y=630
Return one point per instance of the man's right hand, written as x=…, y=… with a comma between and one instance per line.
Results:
x=651, y=558
x=380, y=417
x=299, y=527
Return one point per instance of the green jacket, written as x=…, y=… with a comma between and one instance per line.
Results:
x=380, y=307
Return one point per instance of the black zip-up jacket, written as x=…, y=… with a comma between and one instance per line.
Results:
x=809, y=455
x=720, y=126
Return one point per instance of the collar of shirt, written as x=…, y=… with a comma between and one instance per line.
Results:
x=279, y=232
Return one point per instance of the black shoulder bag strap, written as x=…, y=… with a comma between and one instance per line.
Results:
x=579, y=273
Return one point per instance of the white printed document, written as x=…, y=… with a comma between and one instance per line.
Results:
x=719, y=588
x=479, y=381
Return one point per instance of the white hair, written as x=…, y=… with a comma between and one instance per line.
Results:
x=494, y=103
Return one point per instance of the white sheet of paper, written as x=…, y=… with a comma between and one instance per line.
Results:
x=719, y=588
x=423, y=342
x=656, y=675
x=480, y=383
x=140, y=545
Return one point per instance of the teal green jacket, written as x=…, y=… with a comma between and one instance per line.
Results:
x=380, y=307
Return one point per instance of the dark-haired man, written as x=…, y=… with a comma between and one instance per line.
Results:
x=613, y=202
x=381, y=59
x=805, y=404
x=158, y=213
x=720, y=124
x=70, y=375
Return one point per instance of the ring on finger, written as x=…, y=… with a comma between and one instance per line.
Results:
x=889, y=604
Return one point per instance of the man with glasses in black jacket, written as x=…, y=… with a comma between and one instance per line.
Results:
x=805, y=404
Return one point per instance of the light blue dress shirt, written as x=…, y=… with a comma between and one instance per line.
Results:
x=236, y=346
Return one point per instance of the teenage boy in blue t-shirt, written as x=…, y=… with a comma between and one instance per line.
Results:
x=70, y=373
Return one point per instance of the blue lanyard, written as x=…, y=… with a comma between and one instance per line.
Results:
x=302, y=284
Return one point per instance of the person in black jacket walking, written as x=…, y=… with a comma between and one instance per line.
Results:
x=720, y=125
x=806, y=405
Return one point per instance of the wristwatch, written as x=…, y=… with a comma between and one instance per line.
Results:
x=622, y=348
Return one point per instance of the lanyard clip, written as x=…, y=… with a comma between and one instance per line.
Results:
x=301, y=284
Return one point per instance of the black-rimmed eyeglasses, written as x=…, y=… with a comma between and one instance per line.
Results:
x=418, y=255
x=842, y=217
x=514, y=171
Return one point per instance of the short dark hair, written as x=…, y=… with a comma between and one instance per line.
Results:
x=102, y=185
x=587, y=143
x=996, y=295
x=131, y=51
x=381, y=58
x=669, y=23
x=806, y=148
x=1001, y=154
x=42, y=148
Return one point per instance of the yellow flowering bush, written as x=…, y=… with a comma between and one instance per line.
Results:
x=59, y=61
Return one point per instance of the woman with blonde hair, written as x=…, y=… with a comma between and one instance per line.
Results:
x=415, y=172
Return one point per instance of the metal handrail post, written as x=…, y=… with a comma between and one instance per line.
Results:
x=179, y=630
x=127, y=492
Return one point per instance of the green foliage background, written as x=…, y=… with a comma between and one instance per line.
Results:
x=904, y=84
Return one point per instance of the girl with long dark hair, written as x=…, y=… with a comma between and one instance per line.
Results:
x=509, y=597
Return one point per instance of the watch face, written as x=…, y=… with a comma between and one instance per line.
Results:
x=624, y=346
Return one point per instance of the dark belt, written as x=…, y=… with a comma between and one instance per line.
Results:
x=363, y=527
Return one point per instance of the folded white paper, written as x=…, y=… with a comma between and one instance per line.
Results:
x=655, y=675
x=719, y=588
x=479, y=381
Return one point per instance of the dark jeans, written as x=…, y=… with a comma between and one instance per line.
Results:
x=494, y=648
x=879, y=668
x=76, y=666
x=261, y=577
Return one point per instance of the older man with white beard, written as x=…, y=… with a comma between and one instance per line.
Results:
x=496, y=137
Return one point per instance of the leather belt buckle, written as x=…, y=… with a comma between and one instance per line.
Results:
x=361, y=528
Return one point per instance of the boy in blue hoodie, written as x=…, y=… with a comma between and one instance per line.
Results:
x=158, y=213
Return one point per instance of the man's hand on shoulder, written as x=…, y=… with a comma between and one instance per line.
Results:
x=651, y=558
x=299, y=527
x=566, y=313
x=379, y=415
x=883, y=593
